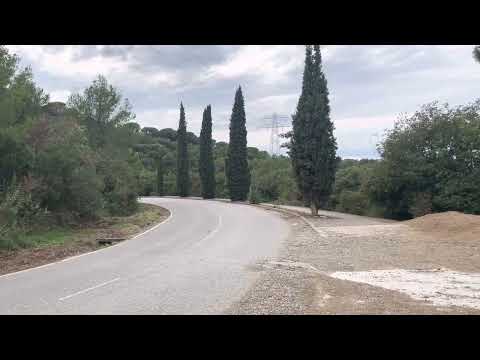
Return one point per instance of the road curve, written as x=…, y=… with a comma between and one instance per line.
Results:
x=194, y=263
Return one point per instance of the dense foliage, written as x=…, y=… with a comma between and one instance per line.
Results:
x=183, y=167
x=69, y=163
x=61, y=164
x=238, y=172
x=207, y=165
x=430, y=163
x=312, y=146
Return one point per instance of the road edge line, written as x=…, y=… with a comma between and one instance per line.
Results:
x=90, y=252
x=318, y=231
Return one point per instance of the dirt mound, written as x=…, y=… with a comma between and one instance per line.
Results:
x=450, y=223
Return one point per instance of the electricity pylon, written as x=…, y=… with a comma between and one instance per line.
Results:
x=275, y=123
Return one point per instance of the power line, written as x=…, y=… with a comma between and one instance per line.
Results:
x=275, y=123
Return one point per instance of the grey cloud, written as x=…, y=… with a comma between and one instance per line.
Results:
x=364, y=82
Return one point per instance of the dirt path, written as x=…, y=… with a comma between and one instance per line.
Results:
x=313, y=274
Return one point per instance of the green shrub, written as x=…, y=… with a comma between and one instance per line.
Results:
x=17, y=213
x=121, y=201
x=353, y=202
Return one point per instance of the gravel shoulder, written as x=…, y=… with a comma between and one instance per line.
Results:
x=300, y=280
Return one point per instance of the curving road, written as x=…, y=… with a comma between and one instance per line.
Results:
x=196, y=262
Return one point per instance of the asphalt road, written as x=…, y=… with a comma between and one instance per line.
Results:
x=196, y=262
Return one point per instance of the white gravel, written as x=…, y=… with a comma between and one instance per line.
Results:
x=442, y=287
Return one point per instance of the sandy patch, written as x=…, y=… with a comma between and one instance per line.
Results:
x=442, y=287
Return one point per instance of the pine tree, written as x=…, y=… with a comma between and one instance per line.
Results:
x=313, y=145
x=207, y=165
x=238, y=173
x=183, y=172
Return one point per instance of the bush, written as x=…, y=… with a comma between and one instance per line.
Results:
x=85, y=195
x=122, y=201
x=421, y=204
x=354, y=202
x=430, y=162
x=17, y=213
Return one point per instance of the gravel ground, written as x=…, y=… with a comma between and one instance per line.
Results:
x=298, y=282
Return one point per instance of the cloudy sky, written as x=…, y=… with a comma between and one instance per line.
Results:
x=370, y=86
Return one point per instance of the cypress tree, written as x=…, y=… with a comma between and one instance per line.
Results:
x=238, y=173
x=160, y=190
x=313, y=146
x=207, y=165
x=183, y=173
x=476, y=53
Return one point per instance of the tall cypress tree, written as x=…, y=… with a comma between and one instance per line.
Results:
x=476, y=53
x=313, y=146
x=183, y=172
x=207, y=165
x=238, y=173
x=160, y=190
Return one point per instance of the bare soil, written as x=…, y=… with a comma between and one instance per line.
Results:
x=83, y=239
x=300, y=281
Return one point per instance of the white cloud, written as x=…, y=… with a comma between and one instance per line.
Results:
x=66, y=63
x=169, y=118
x=376, y=123
x=284, y=103
x=59, y=95
x=369, y=85
x=269, y=62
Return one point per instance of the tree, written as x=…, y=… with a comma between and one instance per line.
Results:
x=160, y=190
x=313, y=147
x=430, y=163
x=238, y=172
x=133, y=127
x=150, y=131
x=20, y=98
x=101, y=111
x=100, y=108
x=207, y=165
x=476, y=53
x=64, y=169
x=183, y=171
x=168, y=133
x=8, y=66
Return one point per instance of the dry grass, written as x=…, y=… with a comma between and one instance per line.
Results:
x=57, y=244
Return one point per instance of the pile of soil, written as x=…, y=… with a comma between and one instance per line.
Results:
x=450, y=224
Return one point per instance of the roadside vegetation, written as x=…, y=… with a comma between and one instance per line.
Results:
x=51, y=242
x=64, y=165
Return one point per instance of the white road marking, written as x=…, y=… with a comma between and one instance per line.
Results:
x=89, y=289
x=88, y=253
x=219, y=224
x=22, y=271
x=317, y=230
x=213, y=232
x=153, y=228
